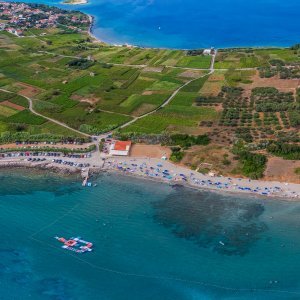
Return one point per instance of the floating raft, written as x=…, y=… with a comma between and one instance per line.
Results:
x=77, y=244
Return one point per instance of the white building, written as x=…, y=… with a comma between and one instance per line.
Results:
x=120, y=148
x=208, y=51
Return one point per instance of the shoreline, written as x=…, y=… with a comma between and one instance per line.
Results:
x=205, y=189
x=192, y=179
x=98, y=39
x=90, y=29
x=213, y=188
x=75, y=2
x=230, y=47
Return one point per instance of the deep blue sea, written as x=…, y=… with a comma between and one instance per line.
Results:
x=152, y=241
x=194, y=23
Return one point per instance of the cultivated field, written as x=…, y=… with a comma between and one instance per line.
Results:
x=249, y=104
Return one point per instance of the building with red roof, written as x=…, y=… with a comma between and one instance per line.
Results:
x=120, y=148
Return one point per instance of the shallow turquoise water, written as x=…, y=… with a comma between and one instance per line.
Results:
x=152, y=241
x=194, y=23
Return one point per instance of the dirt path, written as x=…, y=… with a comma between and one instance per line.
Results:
x=165, y=103
x=145, y=65
x=97, y=138
x=47, y=118
x=80, y=57
x=173, y=95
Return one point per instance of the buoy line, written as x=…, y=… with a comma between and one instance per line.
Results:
x=206, y=284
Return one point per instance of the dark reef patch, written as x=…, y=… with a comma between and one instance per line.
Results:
x=226, y=225
x=55, y=288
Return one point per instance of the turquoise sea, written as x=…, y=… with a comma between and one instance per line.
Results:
x=152, y=241
x=194, y=23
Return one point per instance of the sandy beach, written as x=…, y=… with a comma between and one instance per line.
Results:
x=158, y=170
x=165, y=171
x=90, y=30
x=75, y=2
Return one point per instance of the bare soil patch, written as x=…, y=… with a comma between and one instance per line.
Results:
x=282, y=170
x=13, y=105
x=28, y=90
x=222, y=136
x=149, y=151
x=191, y=74
x=149, y=93
x=92, y=100
x=216, y=77
x=283, y=85
x=213, y=85
x=153, y=69
x=189, y=130
x=215, y=158
x=143, y=108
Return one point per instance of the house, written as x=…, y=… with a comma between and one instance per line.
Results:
x=208, y=51
x=16, y=32
x=120, y=148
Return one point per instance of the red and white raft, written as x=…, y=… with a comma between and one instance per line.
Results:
x=76, y=244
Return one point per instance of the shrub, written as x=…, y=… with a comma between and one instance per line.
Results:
x=186, y=141
x=177, y=155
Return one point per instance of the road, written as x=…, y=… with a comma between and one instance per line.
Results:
x=47, y=118
x=145, y=65
x=97, y=138
x=212, y=69
x=166, y=102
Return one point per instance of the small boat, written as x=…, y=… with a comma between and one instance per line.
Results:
x=76, y=244
x=221, y=243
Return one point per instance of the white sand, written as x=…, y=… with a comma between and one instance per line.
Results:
x=154, y=169
x=76, y=2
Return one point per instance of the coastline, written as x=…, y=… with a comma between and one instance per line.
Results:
x=198, y=181
x=240, y=183
x=75, y=2
x=90, y=29
x=206, y=189
x=194, y=180
x=242, y=45
x=98, y=39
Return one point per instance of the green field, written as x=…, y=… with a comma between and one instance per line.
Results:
x=103, y=96
x=115, y=84
x=253, y=58
x=248, y=102
x=171, y=119
x=200, y=62
x=6, y=111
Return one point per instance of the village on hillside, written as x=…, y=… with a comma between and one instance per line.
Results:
x=17, y=18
